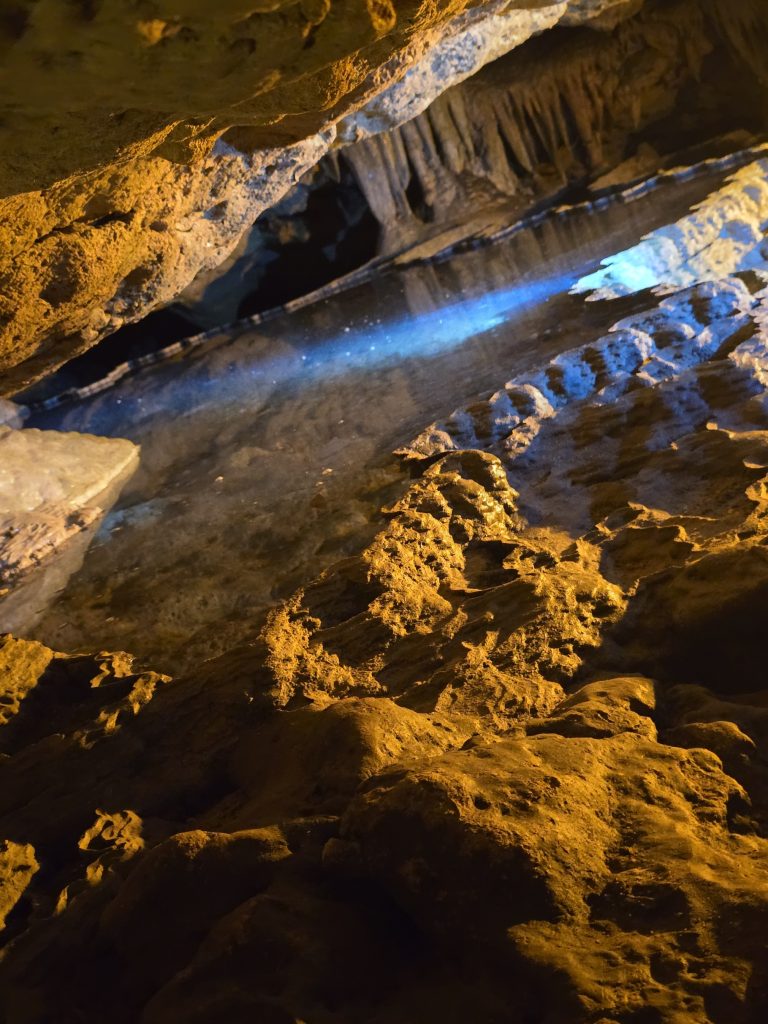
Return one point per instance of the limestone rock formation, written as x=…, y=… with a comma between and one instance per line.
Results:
x=179, y=123
x=508, y=759
x=17, y=866
x=628, y=906
x=721, y=236
x=563, y=107
x=537, y=119
x=52, y=486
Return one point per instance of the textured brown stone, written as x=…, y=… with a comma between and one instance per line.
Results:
x=596, y=860
x=22, y=662
x=507, y=762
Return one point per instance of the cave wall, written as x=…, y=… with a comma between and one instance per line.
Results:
x=561, y=107
x=507, y=758
x=140, y=142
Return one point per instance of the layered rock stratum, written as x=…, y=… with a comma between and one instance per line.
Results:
x=176, y=124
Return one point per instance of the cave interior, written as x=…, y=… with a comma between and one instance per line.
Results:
x=383, y=512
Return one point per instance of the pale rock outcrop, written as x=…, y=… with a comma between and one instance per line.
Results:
x=722, y=235
x=52, y=486
x=453, y=60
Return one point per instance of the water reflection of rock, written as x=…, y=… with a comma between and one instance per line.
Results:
x=22, y=608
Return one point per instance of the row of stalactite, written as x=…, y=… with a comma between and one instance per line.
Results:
x=543, y=114
x=744, y=26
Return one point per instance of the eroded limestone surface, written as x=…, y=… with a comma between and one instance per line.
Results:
x=506, y=762
x=176, y=123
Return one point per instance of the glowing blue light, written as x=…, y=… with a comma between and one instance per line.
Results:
x=240, y=372
x=427, y=334
x=424, y=335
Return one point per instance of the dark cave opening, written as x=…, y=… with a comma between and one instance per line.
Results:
x=155, y=331
x=335, y=234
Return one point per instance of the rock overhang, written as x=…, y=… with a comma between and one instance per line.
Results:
x=142, y=142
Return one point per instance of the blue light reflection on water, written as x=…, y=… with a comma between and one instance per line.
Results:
x=237, y=375
x=426, y=334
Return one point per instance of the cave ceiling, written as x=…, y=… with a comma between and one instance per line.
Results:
x=141, y=140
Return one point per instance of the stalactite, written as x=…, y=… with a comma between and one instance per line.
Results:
x=539, y=114
x=743, y=26
x=380, y=166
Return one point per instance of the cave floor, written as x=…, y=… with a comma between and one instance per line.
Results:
x=486, y=736
x=266, y=457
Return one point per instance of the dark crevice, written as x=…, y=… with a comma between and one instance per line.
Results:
x=335, y=234
x=158, y=329
x=115, y=217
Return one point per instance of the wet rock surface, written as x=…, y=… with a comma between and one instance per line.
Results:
x=506, y=761
x=315, y=404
